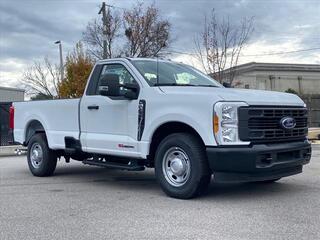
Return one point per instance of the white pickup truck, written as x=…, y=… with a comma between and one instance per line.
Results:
x=138, y=113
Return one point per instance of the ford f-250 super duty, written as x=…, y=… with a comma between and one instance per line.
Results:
x=138, y=113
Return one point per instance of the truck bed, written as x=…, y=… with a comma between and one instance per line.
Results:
x=59, y=118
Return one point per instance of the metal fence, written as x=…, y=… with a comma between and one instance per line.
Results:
x=5, y=134
x=313, y=104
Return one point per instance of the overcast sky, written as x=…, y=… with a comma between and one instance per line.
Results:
x=29, y=28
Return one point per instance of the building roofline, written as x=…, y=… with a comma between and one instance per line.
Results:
x=262, y=66
x=12, y=89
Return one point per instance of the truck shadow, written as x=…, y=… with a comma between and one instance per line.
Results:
x=145, y=182
x=240, y=191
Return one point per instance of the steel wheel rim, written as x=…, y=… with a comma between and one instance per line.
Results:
x=36, y=155
x=176, y=166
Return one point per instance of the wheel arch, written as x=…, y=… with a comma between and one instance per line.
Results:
x=33, y=126
x=166, y=129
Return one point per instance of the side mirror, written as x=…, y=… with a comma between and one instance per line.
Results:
x=109, y=85
x=226, y=85
x=132, y=91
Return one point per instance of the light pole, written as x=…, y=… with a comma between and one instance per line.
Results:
x=61, y=59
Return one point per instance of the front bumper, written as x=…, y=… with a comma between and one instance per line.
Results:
x=258, y=162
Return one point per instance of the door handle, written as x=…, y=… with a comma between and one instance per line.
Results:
x=93, y=107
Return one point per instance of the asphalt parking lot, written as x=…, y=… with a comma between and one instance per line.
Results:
x=83, y=202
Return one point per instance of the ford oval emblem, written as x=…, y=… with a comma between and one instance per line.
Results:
x=288, y=123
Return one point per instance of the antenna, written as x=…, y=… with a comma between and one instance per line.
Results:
x=157, y=59
x=157, y=70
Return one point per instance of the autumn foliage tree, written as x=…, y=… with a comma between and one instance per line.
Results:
x=78, y=67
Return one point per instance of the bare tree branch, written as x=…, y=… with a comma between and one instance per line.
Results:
x=219, y=45
x=146, y=33
x=137, y=32
x=42, y=78
x=95, y=35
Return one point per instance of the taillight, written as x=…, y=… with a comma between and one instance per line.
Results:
x=11, y=117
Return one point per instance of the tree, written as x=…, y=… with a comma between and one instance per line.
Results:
x=219, y=45
x=146, y=34
x=290, y=90
x=78, y=68
x=42, y=79
x=138, y=32
x=95, y=35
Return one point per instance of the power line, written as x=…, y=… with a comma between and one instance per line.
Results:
x=253, y=55
x=112, y=6
x=279, y=53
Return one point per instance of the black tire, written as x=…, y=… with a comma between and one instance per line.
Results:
x=47, y=164
x=199, y=174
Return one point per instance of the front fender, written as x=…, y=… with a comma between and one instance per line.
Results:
x=157, y=121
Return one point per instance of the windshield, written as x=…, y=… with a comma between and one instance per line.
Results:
x=172, y=74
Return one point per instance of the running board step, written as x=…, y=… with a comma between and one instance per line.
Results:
x=70, y=151
x=131, y=166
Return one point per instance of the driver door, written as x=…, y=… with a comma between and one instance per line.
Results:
x=105, y=120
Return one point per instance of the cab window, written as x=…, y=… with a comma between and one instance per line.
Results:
x=119, y=70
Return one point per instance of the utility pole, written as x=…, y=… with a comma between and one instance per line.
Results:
x=61, y=60
x=300, y=84
x=105, y=18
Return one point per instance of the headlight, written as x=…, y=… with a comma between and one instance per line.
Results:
x=225, y=123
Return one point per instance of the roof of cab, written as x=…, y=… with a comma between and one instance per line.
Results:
x=133, y=59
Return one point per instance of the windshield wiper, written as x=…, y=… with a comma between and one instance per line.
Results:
x=183, y=85
x=204, y=85
x=174, y=84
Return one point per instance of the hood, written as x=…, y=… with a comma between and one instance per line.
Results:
x=250, y=96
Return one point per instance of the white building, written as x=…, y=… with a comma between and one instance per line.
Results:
x=11, y=94
x=303, y=78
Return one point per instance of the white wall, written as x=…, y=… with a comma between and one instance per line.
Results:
x=310, y=82
x=10, y=95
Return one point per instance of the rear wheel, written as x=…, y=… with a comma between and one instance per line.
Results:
x=42, y=160
x=181, y=166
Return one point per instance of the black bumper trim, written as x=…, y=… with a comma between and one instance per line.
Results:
x=258, y=162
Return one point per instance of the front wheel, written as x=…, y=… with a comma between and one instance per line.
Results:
x=42, y=160
x=181, y=166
